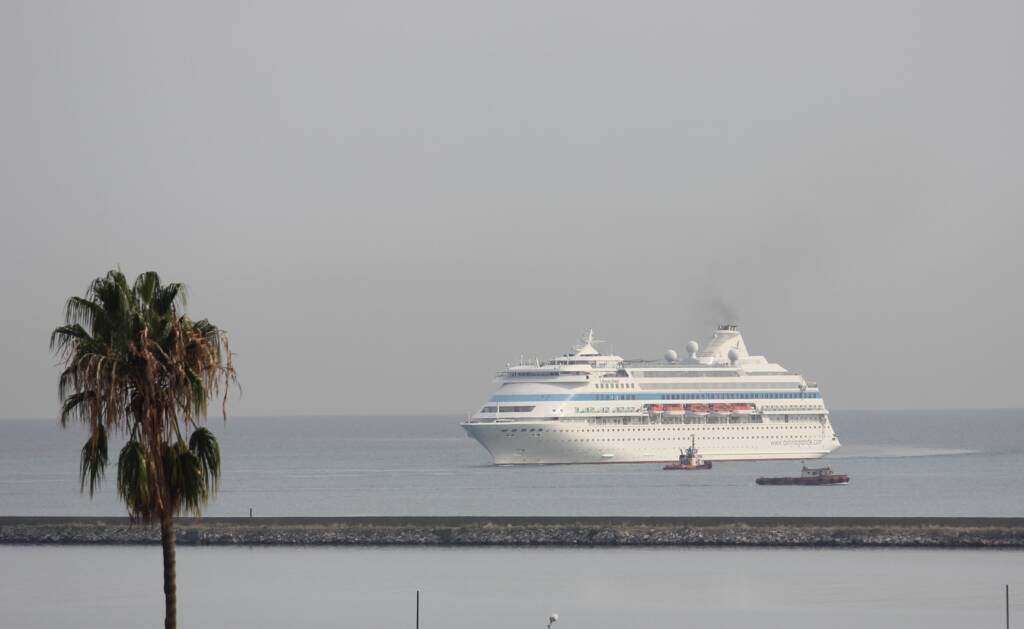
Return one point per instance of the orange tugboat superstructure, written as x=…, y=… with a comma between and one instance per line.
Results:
x=690, y=460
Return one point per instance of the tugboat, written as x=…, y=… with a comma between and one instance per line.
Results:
x=808, y=476
x=690, y=460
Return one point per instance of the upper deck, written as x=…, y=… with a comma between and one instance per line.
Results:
x=724, y=363
x=723, y=384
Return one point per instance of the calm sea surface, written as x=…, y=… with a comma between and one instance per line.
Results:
x=923, y=463
x=114, y=587
x=901, y=463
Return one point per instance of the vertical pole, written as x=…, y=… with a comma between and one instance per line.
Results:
x=417, y=609
x=1007, y=606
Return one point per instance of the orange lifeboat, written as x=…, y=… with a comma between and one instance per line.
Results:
x=743, y=408
x=721, y=408
x=657, y=408
x=697, y=408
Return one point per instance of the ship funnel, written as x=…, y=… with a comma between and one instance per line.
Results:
x=719, y=349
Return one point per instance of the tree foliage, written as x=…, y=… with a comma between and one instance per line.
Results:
x=135, y=364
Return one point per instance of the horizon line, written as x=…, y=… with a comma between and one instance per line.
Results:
x=448, y=414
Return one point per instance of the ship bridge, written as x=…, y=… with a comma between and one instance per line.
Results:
x=578, y=365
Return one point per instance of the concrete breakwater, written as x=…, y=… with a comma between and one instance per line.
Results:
x=530, y=531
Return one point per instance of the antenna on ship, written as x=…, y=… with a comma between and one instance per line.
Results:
x=588, y=340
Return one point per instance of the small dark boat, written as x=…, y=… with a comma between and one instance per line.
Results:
x=690, y=459
x=808, y=476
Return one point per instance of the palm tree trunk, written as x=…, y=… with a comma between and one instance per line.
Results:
x=170, y=576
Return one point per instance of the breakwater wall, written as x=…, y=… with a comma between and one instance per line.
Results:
x=530, y=531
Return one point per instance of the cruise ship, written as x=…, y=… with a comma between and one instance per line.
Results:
x=589, y=407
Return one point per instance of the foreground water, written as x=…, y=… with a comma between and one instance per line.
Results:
x=505, y=588
x=920, y=463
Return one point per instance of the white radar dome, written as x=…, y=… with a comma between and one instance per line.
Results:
x=671, y=355
x=734, y=355
x=692, y=347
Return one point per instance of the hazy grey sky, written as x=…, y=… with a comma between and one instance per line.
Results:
x=385, y=202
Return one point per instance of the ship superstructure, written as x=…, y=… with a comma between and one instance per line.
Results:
x=589, y=407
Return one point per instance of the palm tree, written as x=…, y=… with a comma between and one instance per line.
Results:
x=135, y=365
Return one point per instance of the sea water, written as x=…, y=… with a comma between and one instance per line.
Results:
x=922, y=463
x=118, y=586
x=901, y=463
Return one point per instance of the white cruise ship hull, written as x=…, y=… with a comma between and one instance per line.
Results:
x=555, y=442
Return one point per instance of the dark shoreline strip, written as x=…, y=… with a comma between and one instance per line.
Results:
x=530, y=531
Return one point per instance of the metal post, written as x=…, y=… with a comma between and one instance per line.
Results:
x=1007, y=606
x=417, y=609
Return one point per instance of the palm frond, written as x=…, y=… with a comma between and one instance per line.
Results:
x=67, y=334
x=184, y=474
x=82, y=312
x=133, y=482
x=169, y=296
x=204, y=446
x=76, y=406
x=94, y=460
x=146, y=285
